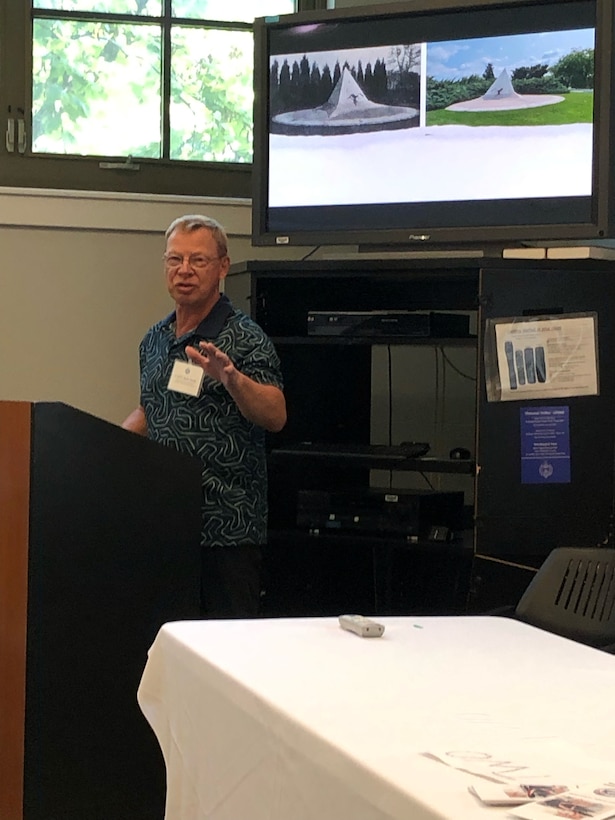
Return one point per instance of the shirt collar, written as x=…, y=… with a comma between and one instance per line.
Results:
x=212, y=324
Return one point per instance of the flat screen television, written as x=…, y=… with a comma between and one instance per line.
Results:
x=435, y=123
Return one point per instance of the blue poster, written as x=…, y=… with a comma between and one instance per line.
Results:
x=545, y=445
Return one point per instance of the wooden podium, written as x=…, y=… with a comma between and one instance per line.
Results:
x=99, y=546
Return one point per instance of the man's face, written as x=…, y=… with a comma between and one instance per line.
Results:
x=194, y=268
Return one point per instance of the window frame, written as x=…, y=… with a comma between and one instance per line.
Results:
x=75, y=172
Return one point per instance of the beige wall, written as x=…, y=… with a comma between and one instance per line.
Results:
x=73, y=306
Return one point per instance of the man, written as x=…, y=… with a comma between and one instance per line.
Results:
x=221, y=421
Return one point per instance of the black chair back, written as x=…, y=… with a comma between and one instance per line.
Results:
x=573, y=595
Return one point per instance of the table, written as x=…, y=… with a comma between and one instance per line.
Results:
x=297, y=719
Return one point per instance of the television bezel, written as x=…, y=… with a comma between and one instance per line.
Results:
x=598, y=227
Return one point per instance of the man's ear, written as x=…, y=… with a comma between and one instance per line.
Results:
x=225, y=264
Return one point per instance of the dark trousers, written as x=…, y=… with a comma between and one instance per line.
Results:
x=231, y=581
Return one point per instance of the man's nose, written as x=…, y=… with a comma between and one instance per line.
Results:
x=185, y=267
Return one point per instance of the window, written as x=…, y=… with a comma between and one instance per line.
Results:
x=130, y=95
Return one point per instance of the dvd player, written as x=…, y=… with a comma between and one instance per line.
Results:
x=406, y=513
x=377, y=323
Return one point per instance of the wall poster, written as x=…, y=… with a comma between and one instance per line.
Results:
x=545, y=445
x=541, y=357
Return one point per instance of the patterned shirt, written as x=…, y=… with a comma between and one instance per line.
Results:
x=231, y=449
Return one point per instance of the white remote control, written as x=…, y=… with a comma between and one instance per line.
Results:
x=364, y=627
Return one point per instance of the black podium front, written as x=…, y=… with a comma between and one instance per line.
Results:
x=99, y=546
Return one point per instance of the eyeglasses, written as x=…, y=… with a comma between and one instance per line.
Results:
x=196, y=261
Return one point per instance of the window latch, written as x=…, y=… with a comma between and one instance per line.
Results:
x=127, y=165
x=9, y=136
x=21, y=132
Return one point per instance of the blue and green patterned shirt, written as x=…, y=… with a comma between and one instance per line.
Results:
x=231, y=449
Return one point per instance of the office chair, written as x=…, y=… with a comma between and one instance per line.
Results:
x=573, y=595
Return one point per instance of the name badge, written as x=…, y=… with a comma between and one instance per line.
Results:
x=186, y=378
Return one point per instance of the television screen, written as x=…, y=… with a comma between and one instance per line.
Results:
x=432, y=123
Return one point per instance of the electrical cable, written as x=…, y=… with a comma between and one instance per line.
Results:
x=309, y=253
x=455, y=368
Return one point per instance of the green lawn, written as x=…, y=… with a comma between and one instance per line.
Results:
x=575, y=107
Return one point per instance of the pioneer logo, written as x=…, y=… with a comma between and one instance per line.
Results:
x=419, y=237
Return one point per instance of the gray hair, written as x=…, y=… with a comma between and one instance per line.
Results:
x=194, y=222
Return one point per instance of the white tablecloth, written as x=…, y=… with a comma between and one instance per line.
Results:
x=296, y=719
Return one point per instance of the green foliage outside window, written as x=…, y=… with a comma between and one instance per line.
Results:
x=97, y=87
x=216, y=126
